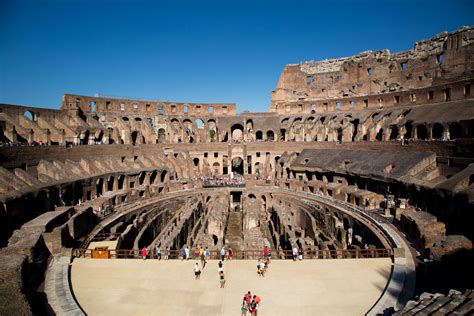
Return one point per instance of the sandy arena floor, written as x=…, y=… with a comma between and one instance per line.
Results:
x=151, y=287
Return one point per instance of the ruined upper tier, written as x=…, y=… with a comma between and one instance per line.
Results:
x=376, y=78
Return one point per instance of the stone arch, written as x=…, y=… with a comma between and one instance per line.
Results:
x=379, y=135
x=137, y=138
x=85, y=137
x=393, y=132
x=470, y=129
x=163, y=175
x=161, y=135
x=199, y=123
x=99, y=135
x=141, y=178
x=437, y=131
x=259, y=135
x=211, y=124
x=455, y=130
x=238, y=165
x=409, y=129
x=99, y=187
x=121, y=182
x=153, y=176
x=237, y=132
x=270, y=135
x=110, y=183
x=216, y=168
x=29, y=115
x=249, y=126
x=355, y=124
x=421, y=131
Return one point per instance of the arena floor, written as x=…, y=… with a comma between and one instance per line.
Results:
x=152, y=287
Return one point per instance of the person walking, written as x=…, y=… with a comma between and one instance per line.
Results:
x=244, y=308
x=144, y=253
x=248, y=298
x=207, y=254
x=203, y=260
x=223, y=253
x=253, y=308
x=222, y=280
x=186, y=252
x=295, y=253
x=256, y=299
x=196, y=253
x=158, y=252
x=197, y=271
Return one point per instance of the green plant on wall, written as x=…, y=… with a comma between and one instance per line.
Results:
x=212, y=135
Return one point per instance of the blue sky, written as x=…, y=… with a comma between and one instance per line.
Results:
x=195, y=51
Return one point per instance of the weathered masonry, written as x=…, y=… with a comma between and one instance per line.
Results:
x=370, y=155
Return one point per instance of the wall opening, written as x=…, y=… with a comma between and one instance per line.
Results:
x=421, y=132
x=437, y=131
x=455, y=130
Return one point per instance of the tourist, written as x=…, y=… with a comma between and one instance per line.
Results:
x=203, y=260
x=158, y=252
x=295, y=253
x=207, y=254
x=220, y=266
x=197, y=271
x=260, y=268
x=231, y=254
x=256, y=299
x=186, y=252
x=181, y=253
x=201, y=251
x=300, y=254
x=223, y=252
x=144, y=253
x=222, y=280
x=265, y=251
x=253, y=308
x=196, y=253
x=243, y=308
x=265, y=265
x=248, y=298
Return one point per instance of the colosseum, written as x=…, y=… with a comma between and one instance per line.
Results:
x=364, y=165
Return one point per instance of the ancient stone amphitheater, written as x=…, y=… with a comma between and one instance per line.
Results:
x=369, y=156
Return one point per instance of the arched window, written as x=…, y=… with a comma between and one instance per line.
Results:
x=421, y=132
x=437, y=131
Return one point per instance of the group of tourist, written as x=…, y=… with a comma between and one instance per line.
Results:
x=223, y=181
x=17, y=144
x=226, y=253
x=262, y=266
x=184, y=253
x=297, y=253
x=250, y=304
x=220, y=270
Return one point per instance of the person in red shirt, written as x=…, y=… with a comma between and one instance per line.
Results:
x=248, y=298
x=144, y=253
x=257, y=299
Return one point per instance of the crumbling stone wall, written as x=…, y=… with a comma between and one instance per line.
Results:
x=376, y=78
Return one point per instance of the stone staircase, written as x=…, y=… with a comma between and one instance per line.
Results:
x=233, y=236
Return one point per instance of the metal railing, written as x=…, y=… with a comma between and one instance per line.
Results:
x=239, y=255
